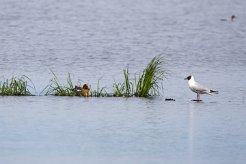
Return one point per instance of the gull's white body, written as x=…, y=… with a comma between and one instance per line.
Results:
x=198, y=88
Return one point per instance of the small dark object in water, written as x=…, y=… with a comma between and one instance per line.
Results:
x=169, y=99
x=233, y=17
x=197, y=100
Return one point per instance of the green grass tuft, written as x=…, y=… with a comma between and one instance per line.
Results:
x=16, y=86
x=100, y=92
x=126, y=88
x=55, y=88
x=148, y=83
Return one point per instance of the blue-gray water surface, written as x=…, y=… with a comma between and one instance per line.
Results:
x=95, y=40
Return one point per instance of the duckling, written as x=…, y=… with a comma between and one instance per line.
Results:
x=86, y=91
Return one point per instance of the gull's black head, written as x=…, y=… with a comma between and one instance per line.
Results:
x=233, y=17
x=188, y=78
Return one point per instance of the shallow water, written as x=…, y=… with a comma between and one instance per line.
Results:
x=97, y=40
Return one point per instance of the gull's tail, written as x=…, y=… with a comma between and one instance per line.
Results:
x=215, y=92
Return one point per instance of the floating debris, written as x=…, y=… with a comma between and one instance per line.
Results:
x=233, y=17
x=169, y=99
x=197, y=100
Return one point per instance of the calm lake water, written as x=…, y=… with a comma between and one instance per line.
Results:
x=98, y=39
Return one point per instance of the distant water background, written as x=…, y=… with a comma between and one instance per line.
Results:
x=95, y=40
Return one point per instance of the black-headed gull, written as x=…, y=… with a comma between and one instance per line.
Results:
x=198, y=88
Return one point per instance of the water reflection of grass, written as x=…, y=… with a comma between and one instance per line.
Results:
x=16, y=86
